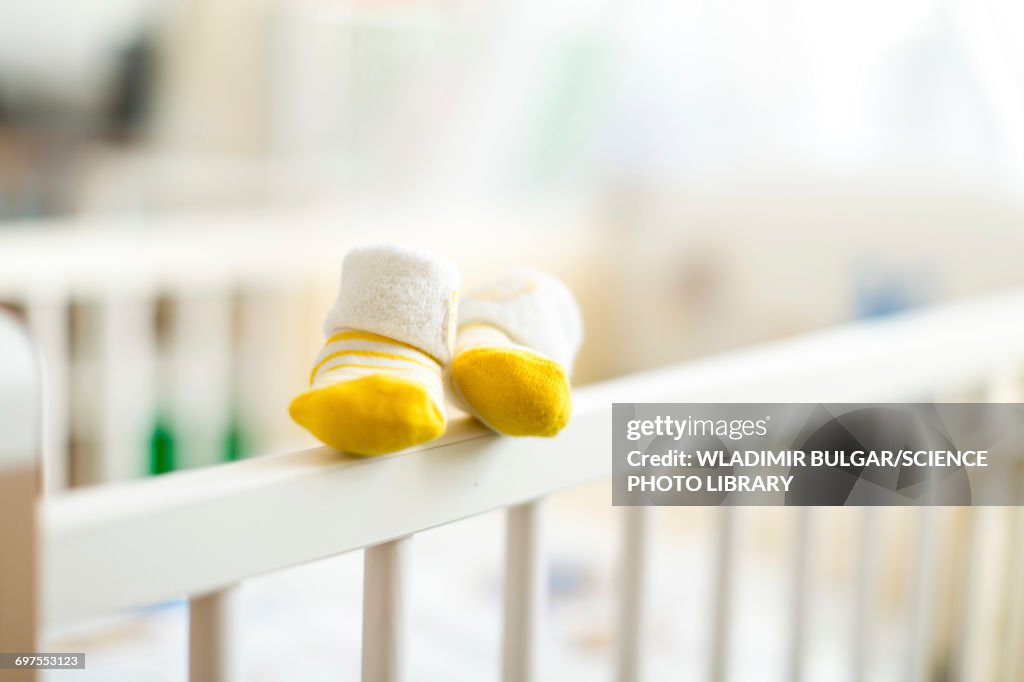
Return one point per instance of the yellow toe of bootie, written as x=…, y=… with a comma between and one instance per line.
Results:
x=514, y=391
x=516, y=343
x=370, y=415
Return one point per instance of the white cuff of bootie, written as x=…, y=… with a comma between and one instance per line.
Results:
x=404, y=294
x=534, y=308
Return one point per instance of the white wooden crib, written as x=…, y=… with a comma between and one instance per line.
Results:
x=202, y=533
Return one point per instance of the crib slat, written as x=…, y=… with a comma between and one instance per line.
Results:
x=385, y=571
x=128, y=360
x=1013, y=656
x=636, y=541
x=200, y=380
x=864, y=595
x=983, y=581
x=213, y=637
x=983, y=596
x=921, y=582
x=48, y=324
x=970, y=598
x=1006, y=386
x=524, y=593
x=721, y=610
x=268, y=319
x=800, y=587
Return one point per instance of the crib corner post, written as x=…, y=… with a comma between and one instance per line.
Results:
x=20, y=430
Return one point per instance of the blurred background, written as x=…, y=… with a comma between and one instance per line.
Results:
x=180, y=179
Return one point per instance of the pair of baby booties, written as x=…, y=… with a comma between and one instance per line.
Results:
x=397, y=334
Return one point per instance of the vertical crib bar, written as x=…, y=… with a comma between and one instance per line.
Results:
x=799, y=589
x=1013, y=656
x=385, y=571
x=127, y=347
x=636, y=540
x=863, y=596
x=983, y=603
x=213, y=637
x=200, y=382
x=721, y=610
x=983, y=596
x=524, y=593
x=921, y=581
x=1008, y=658
x=48, y=324
x=965, y=657
x=266, y=323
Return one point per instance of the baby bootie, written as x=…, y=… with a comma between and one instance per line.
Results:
x=376, y=386
x=514, y=351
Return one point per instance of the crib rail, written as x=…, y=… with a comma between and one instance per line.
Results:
x=200, y=533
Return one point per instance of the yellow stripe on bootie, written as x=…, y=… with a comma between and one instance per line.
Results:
x=515, y=348
x=376, y=386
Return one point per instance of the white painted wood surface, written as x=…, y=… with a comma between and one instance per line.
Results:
x=1012, y=663
x=721, y=608
x=128, y=362
x=214, y=653
x=198, y=383
x=966, y=598
x=921, y=584
x=102, y=551
x=525, y=593
x=984, y=588
x=635, y=554
x=1005, y=594
x=862, y=644
x=800, y=589
x=385, y=610
x=985, y=594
